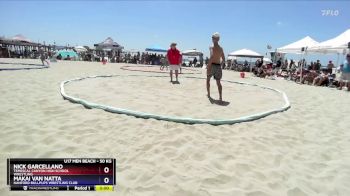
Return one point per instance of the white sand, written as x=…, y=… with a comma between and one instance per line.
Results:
x=303, y=151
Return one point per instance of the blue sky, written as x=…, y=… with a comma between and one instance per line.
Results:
x=138, y=24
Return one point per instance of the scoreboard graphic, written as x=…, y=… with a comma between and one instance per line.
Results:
x=66, y=174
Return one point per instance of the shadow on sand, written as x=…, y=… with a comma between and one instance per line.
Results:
x=218, y=102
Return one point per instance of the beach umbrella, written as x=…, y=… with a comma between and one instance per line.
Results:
x=156, y=48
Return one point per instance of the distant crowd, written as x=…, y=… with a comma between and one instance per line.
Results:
x=149, y=59
x=312, y=73
x=144, y=58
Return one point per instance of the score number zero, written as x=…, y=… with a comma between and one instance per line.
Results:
x=106, y=179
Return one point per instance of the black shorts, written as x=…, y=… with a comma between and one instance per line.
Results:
x=216, y=71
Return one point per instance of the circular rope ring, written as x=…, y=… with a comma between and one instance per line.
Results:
x=23, y=68
x=127, y=68
x=185, y=120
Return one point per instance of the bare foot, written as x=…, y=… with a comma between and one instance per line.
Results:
x=220, y=102
x=211, y=100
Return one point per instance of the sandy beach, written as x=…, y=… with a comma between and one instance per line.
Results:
x=303, y=151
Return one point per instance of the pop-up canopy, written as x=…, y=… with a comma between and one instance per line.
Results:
x=156, y=48
x=80, y=49
x=267, y=60
x=108, y=44
x=296, y=47
x=192, y=52
x=245, y=53
x=335, y=45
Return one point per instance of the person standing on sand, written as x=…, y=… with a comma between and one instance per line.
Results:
x=214, y=64
x=43, y=57
x=163, y=63
x=174, y=60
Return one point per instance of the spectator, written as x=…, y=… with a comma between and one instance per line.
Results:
x=279, y=64
x=311, y=66
x=194, y=62
x=317, y=65
x=330, y=67
x=286, y=64
x=309, y=77
x=321, y=79
x=59, y=57
x=345, y=73
x=201, y=60
x=291, y=64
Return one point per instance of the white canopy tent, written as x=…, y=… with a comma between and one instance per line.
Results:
x=192, y=52
x=80, y=49
x=338, y=44
x=231, y=58
x=296, y=47
x=245, y=53
x=267, y=60
x=108, y=44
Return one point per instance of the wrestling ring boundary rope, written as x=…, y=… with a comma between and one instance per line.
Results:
x=185, y=120
x=23, y=68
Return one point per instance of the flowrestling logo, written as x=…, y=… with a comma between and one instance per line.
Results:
x=330, y=12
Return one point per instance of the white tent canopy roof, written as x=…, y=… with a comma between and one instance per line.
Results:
x=231, y=58
x=245, y=53
x=108, y=44
x=267, y=60
x=296, y=47
x=192, y=52
x=80, y=48
x=335, y=45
